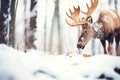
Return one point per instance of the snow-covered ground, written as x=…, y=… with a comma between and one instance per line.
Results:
x=33, y=65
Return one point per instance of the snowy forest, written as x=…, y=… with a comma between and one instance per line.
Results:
x=41, y=25
x=36, y=43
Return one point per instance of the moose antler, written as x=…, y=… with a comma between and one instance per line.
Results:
x=75, y=15
x=92, y=8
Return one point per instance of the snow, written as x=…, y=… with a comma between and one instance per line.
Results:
x=34, y=65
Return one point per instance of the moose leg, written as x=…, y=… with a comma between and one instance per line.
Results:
x=110, y=49
x=104, y=46
x=117, y=49
x=117, y=39
x=110, y=42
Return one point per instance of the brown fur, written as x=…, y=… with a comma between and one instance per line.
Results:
x=110, y=21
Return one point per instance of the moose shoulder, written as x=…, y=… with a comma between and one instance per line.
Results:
x=107, y=27
x=110, y=20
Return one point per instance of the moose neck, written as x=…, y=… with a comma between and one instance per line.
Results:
x=98, y=30
x=92, y=32
x=95, y=30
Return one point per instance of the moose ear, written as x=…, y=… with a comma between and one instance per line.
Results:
x=89, y=20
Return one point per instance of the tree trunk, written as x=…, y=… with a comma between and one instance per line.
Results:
x=12, y=24
x=59, y=27
x=116, y=2
x=32, y=30
x=4, y=21
x=45, y=28
x=56, y=17
x=26, y=26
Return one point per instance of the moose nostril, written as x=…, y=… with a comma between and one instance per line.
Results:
x=80, y=45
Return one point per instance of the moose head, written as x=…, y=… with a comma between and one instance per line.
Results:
x=87, y=24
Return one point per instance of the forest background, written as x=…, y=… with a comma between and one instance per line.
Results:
x=40, y=25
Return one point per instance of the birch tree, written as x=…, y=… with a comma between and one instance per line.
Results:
x=13, y=8
x=56, y=18
x=33, y=16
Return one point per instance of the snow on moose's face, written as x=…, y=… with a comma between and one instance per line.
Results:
x=84, y=38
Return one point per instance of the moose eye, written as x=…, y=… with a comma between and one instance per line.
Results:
x=85, y=31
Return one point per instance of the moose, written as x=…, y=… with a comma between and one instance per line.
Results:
x=106, y=28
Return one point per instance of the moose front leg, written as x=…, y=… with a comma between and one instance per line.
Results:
x=110, y=42
x=117, y=49
x=117, y=40
x=104, y=46
x=110, y=49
